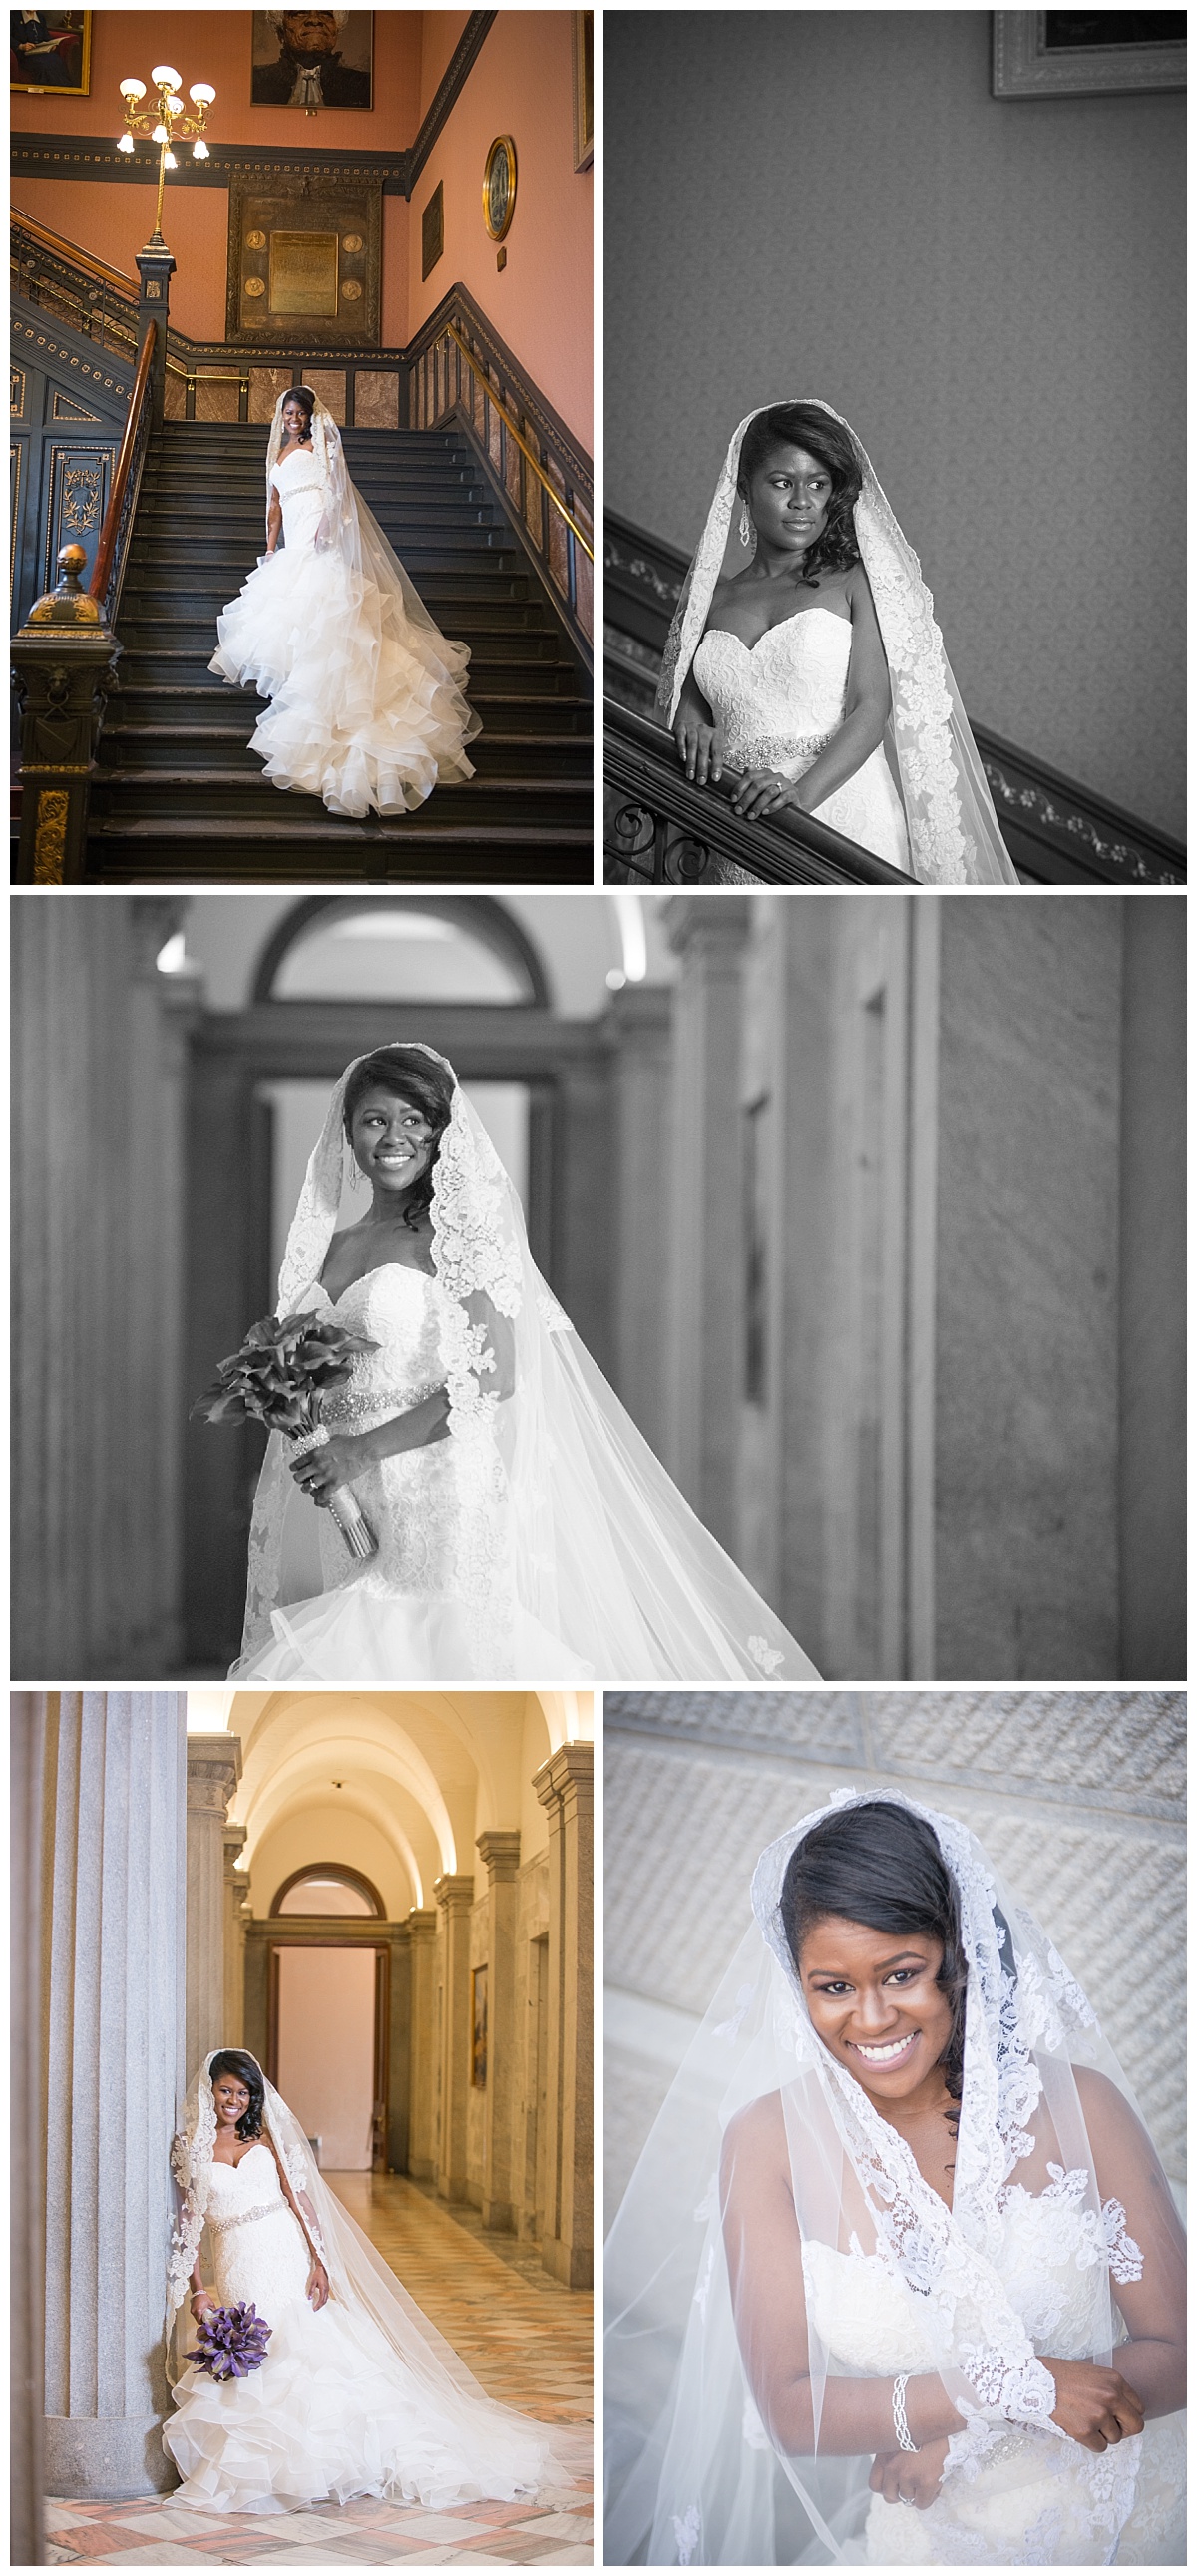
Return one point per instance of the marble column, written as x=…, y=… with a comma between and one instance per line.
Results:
x=424, y=2044
x=455, y=1897
x=706, y=1276
x=213, y=1770
x=500, y=1853
x=236, y=1908
x=115, y=1854
x=27, y=2367
x=565, y=1787
x=639, y=1027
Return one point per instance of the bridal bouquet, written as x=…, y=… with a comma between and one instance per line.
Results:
x=279, y=1376
x=232, y=2342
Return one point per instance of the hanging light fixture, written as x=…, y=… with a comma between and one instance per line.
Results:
x=162, y=122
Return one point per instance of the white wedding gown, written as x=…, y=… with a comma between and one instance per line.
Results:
x=1028, y=2504
x=780, y=700
x=332, y=2412
x=438, y=1512
x=366, y=707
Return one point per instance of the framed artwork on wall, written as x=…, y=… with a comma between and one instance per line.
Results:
x=432, y=230
x=305, y=258
x=583, y=43
x=50, y=49
x=1074, y=53
x=478, y=2026
x=312, y=58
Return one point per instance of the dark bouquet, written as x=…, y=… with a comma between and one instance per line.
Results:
x=280, y=1376
x=232, y=2342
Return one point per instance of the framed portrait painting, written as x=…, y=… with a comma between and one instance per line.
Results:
x=1081, y=53
x=50, y=49
x=583, y=68
x=478, y=1985
x=312, y=58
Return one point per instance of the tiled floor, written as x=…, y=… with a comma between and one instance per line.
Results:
x=526, y=2339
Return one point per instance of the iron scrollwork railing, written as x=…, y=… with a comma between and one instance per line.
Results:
x=660, y=829
x=66, y=282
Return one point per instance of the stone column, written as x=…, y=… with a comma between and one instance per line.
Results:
x=27, y=1758
x=115, y=1845
x=501, y=1855
x=639, y=1027
x=565, y=1787
x=708, y=1223
x=425, y=2044
x=236, y=1907
x=213, y=1770
x=455, y=1896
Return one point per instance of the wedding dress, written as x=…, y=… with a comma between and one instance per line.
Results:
x=359, y=2397
x=950, y=829
x=366, y=699
x=780, y=701
x=709, y=2462
x=541, y=1541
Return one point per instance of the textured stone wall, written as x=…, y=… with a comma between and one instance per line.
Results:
x=1078, y=1795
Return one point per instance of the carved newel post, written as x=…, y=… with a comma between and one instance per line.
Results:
x=155, y=268
x=64, y=662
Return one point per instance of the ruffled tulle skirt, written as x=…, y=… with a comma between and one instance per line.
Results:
x=367, y=709
x=331, y=2415
x=362, y=1634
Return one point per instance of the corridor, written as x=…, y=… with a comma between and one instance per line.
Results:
x=527, y=2340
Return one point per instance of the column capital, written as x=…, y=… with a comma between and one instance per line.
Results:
x=235, y=1840
x=421, y=1922
x=213, y=1770
x=567, y=1777
x=693, y=922
x=500, y=1853
x=453, y=1894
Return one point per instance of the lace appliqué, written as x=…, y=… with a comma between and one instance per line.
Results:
x=1024, y=2393
x=191, y=2165
x=765, y=1657
x=687, y=2531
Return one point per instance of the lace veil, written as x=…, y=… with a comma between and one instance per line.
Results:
x=357, y=2274
x=950, y=817
x=579, y=1545
x=385, y=600
x=711, y=2460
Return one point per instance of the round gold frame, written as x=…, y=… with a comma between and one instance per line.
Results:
x=502, y=149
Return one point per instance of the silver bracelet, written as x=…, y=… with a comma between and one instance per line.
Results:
x=901, y=2427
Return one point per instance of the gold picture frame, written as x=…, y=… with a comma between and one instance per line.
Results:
x=583, y=52
x=61, y=26
x=498, y=187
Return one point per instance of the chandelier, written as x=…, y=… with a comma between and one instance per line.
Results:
x=162, y=123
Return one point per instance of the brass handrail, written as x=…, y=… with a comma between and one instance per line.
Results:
x=116, y=501
x=453, y=333
x=78, y=258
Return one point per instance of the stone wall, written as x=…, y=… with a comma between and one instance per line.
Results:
x=1078, y=1795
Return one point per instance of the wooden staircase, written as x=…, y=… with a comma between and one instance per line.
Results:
x=179, y=796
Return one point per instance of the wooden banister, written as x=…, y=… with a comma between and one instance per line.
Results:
x=661, y=829
x=109, y=533
x=521, y=442
x=76, y=258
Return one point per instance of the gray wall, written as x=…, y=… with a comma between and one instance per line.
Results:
x=991, y=291
x=1079, y=1797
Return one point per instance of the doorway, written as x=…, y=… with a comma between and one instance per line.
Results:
x=328, y=2024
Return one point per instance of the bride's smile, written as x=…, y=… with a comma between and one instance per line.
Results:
x=877, y=2004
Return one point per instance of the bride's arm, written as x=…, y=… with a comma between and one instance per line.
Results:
x=768, y=2291
x=274, y=521
x=318, y=2277
x=1147, y=2239
x=866, y=710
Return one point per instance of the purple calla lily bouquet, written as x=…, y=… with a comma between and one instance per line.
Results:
x=279, y=1376
x=232, y=2342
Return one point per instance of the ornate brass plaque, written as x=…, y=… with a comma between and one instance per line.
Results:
x=303, y=275
x=255, y=241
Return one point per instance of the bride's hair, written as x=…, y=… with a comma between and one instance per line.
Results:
x=238, y=2062
x=409, y=1075
x=876, y=1863
x=798, y=424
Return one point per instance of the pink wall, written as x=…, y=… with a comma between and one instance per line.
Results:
x=214, y=45
x=326, y=2050
x=542, y=302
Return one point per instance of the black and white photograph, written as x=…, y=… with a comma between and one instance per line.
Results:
x=894, y=390
x=894, y=2129
x=829, y=1256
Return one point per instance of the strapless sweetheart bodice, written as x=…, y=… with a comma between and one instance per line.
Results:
x=402, y=1310
x=300, y=486
x=779, y=700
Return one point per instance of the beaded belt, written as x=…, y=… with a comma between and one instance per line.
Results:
x=242, y=2217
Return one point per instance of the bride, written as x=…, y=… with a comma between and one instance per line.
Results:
x=525, y=1531
x=899, y=2239
x=366, y=695
x=804, y=648
x=358, y=2394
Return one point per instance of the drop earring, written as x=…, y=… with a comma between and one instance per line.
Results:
x=745, y=525
x=355, y=1178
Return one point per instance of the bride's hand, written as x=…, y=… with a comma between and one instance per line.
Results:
x=335, y=1463
x=200, y=2303
x=700, y=748
x=318, y=2285
x=910, y=2477
x=763, y=791
x=1093, y=2404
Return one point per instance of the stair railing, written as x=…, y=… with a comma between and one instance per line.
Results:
x=113, y=549
x=661, y=829
x=58, y=277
